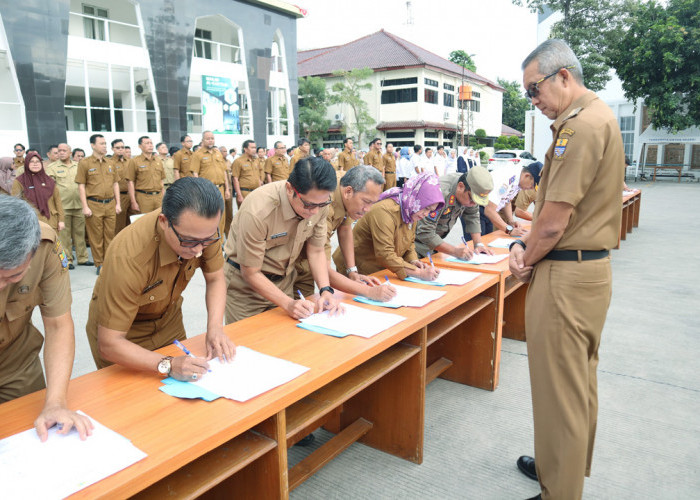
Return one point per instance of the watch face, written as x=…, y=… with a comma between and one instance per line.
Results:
x=164, y=366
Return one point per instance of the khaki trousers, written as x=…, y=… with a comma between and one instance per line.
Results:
x=123, y=218
x=100, y=228
x=148, y=202
x=74, y=235
x=565, y=312
x=390, y=181
x=242, y=301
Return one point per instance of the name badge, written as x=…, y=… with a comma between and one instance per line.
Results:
x=278, y=235
x=151, y=287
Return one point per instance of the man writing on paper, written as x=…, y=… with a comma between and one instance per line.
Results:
x=267, y=235
x=464, y=194
x=136, y=304
x=357, y=191
x=34, y=272
x=566, y=258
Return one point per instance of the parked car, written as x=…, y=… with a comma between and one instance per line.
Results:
x=518, y=157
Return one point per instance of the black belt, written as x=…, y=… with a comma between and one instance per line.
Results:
x=220, y=185
x=389, y=172
x=572, y=255
x=147, y=192
x=124, y=192
x=166, y=185
x=272, y=277
x=97, y=200
x=246, y=189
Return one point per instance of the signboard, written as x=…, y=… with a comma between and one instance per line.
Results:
x=220, y=112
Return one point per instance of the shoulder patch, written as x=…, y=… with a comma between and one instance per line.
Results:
x=451, y=201
x=432, y=215
x=566, y=131
x=560, y=148
x=58, y=250
x=447, y=211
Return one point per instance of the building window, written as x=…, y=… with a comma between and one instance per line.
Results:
x=449, y=87
x=10, y=107
x=400, y=95
x=202, y=43
x=277, y=58
x=475, y=106
x=94, y=22
x=627, y=129
x=448, y=100
x=118, y=24
x=215, y=38
x=432, y=83
x=476, y=94
x=277, y=114
x=404, y=134
x=432, y=135
x=399, y=81
x=430, y=96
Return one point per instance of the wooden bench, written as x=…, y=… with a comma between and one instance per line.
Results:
x=666, y=166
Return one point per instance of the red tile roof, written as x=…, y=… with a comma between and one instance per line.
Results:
x=506, y=130
x=414, y=124
x=380, y=51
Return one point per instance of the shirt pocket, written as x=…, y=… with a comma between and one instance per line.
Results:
x=277, y=241
x=18, y=314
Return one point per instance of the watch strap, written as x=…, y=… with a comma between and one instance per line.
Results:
x=326, y=289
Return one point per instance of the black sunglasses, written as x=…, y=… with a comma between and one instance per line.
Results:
x=533, y=90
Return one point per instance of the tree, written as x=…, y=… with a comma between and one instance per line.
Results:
x=590, y=27
x=463, y=59
x=657, y=60
x=313, y=103
x=508, y=142
x=514, y=105
x=347, y=91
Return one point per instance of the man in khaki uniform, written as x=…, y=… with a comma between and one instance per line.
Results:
x=18, y=160
x=260, y=163
x=302, y=151
x=145, y=175
x=245, y=172
x=566, y=258
x=182, y=159
x=120, y=164
x=99, y=196
x=168, y=164
x=228, y=202
x=347, y=159
x=209, y=163
x=374, y=157
x=34, y=272
x=63, y=172
x=136, y=304
x=267, y=236
x=277, y=166
x=389, y=167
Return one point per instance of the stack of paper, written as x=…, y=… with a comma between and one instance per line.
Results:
x=501, y=242
x=355, y=321
x=448, y=277
x=63, y=464
x=405, y=297
x=480, y=258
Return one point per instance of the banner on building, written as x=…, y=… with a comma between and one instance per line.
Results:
x=220, y=112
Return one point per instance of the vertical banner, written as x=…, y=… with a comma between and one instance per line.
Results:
x=220, y=112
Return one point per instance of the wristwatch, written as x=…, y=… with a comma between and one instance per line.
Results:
x=480, y=244
x=509, y=229
x=326, y=289
x=165, y=365
x=352, y=269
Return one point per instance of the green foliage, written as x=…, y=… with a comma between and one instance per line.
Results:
x=347, y=92
x=514, y=104
x=463, y=59
x=508, y=142
x=658, y=60
x=313, y=103
x=480, y=133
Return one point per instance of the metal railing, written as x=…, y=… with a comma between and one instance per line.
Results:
x=103, y=29
x=216, y=51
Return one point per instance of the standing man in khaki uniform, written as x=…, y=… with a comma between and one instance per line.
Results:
x=136, y=305
x=302, y=151
x=245, y=173
x=168, y=168
x=145, y=175
x=374, y=157
x=347, y=159
x=63, y=172
x=566, y=258
x=18, y=160
x=389, y=167
x=209, y=163
x=260, y=163
x=277, y=166
x=34, y=272
x=99, y=195
x=182, y=159
x=120, y=164
x=267, y=236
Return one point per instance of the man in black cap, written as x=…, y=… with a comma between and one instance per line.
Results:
x=507, y=183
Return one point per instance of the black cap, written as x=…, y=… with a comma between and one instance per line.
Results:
x=534, y=169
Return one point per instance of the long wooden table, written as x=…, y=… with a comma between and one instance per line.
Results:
x=631, y=205
x=371, y=390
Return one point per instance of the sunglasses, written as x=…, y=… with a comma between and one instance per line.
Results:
x=533, y=90
x=311, y=206
x=193, y=243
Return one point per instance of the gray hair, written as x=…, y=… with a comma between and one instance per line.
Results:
x=358, y=176
x=552, y=55
x=19, y=232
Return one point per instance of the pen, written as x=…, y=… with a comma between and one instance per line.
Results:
x=464, y=240
x=387, y=279
x=184, y=349
x=300, y=295
x=430, y=258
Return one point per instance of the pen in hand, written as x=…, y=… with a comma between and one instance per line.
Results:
x=301, y=296
x=430, y=258
x=184, y=349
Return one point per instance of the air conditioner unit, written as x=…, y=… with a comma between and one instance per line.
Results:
x=141, y=88
x=339, y=117
x=446, y=116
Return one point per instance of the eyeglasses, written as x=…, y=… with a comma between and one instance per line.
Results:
x=193, y=243
x=17, y=150
x=533, y=90
x=310, y=206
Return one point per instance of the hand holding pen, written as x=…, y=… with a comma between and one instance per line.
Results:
x=188, y=367
x=301, y=308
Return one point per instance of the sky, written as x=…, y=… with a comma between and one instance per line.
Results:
x=499, y=34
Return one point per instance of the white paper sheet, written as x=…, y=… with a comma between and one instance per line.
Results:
x=62, y=465
x=454, y=277
x=250, y=374
x=408, y=297
x=480, y=258
x=501, y=242
x=355, y=321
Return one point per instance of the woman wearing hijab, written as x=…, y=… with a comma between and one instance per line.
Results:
x=384, y=238
x=451, y=165
x=403, y=167
x=7, y=175
x=40, y=190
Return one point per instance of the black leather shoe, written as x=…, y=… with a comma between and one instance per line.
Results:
x=527, y=466
x=71, y=266
x=86, y=263
x=305, y=441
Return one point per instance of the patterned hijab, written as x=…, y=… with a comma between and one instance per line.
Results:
x=417, y=193
x=38, y=187
x=7, y=174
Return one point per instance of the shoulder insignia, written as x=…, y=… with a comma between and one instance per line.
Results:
x=451, y=201
x=560, y=148
x=566, y=131
x=447, y=211
x=432, y=215
x=58, y=250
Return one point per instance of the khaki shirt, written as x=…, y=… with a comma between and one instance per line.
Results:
x=267, y=234
x=389, y=163
x=525, y=198
x=260, y=165
x=120, y=167
x=142, y=276
x=297, y=156
x=168, y=168
x=64, y=175
x=431, y=230
x=375, y=159
x=98, y=176
x=246, y=169
x=382, y=241
x=347, y=160
x=209, y=164
x=584, y=167
x=47, y=285
x=182, y=161
x=278, y=168
x=17, y=162
x=146, y=174
x=337, y=216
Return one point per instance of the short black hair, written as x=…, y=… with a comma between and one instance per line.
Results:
x=182, y=139
x=440, y=147
x=20, y=145
x=52, y=146
x=127, y=147
x=289, y=151
x=197, y=194
x=259, y=148
x=173, y=150
x=116, y=141
x=427, y=149
x=303, y=141
x=141, y=139
x=94, y=137
x=313, y=172
x=247, y=143
x=417, y=148
x=374, y=140
x=463, y=180
x=77, y=150
x=158, y=145
x=232, y=150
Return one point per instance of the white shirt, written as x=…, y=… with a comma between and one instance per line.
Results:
x=405, y=168
x=451, y=165
x=440, y=164
x=416, y=162
x=506, y=182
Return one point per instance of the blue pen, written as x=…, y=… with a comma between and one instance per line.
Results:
x=387, y=279
x=430, y=258
x=184, y=349
x=300, y=294
x=464, y=240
